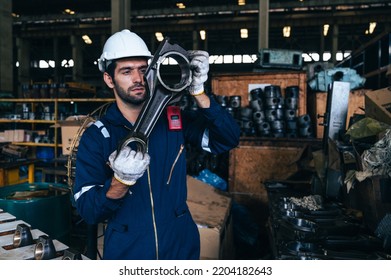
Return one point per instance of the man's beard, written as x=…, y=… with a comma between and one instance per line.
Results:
x=126, y=97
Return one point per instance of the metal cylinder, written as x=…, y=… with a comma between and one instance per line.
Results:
x=256, y=93
x=292, y=92
x=235, y=101
x=271, y=115
x=290, y=114
x=291, y=125
x=223, y=100
x=256, y=104
x=246, y=113
x=263, y=129
x=272, y=91
x=259, y=116
x=305, y=131
x=272, y=102
x=304, y=120
x=278, y=125
x=291, y=103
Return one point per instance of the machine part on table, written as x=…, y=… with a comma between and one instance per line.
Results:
x=71, y=254
x=44, y=250
x=161, y=92
x=22, y=236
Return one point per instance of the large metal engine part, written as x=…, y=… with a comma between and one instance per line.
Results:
x=161, y=92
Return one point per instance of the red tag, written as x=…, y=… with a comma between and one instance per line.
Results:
x=174, y=118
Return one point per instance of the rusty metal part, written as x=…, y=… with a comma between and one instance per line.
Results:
x=160, y=91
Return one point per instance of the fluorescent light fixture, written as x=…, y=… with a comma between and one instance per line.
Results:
x=159, y=36
x=180, y=5
x=241, y=2
x=326, y=28
x=286, y=31
x=243, y=33
x=203, y=35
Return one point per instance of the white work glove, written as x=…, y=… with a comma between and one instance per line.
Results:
x=199, y=65
x=129, y=165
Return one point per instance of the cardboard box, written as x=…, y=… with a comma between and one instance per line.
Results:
x=17, y=135
x=211, y=210
x=378, y=105
x=69, y=130
x=317, y=102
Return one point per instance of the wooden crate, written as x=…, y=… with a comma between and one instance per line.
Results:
x=317, y=106
x=238, y=84
x=256, y=161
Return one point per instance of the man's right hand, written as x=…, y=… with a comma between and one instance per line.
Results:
x=128, y=165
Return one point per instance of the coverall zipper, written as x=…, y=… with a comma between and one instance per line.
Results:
x=153, y=215
x=174, y=163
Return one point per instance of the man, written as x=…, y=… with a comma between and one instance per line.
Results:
x=143, y=196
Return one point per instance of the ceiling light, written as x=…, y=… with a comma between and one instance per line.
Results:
x=243, y=33
x=87, y=39
x=203, y=35
x=326, y=28
x=286, y=31
x=159, y=36
x=372, y=26
x=180, y=5
x=69, y=12
x=241, y=2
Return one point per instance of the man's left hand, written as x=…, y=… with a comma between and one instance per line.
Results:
x=199, y=65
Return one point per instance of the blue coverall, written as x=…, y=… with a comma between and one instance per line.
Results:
x=152, y=221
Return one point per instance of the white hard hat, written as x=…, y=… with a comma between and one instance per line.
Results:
x=122, y=44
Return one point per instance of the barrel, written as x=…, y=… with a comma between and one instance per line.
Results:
x=45, y=206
